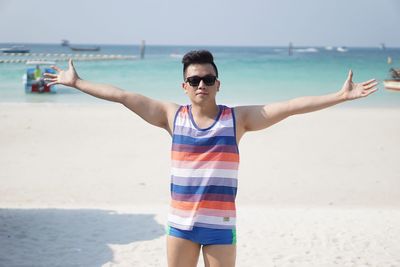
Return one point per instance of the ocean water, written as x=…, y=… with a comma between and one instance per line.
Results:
x=248, y=75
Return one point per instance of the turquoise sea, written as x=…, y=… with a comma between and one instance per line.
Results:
x=249, y=75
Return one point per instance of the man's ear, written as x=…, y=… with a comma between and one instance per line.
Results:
x=184, y=87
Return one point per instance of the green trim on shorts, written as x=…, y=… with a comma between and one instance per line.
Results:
x=167, y=229
x=233, y=236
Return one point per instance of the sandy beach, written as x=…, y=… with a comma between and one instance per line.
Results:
x=88, y=185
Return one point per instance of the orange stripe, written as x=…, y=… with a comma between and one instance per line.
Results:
x=211, y=156
x=184, y=205
x=183, y=110
x=226, y=112
x=218, y=205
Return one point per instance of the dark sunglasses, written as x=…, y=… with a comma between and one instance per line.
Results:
x=209, y=80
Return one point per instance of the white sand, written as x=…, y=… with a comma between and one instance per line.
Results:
x=88, y=185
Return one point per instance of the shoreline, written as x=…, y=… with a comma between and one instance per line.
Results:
x=101, y=103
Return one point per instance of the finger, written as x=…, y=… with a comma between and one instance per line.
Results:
x=52, y=83
x=367, y=93
x=369, y=81
x=370, y=89
x=56, y=68
x=350, y=75
x=46, y=74
x=369, y=86
x=50, y=79
x=71, y=64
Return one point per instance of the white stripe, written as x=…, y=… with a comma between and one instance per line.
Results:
x=186, y=164
x=180, y=220
x=187, y=123
x=224, y=123
x=202, y=211
x=180, y=122
x=200, y=181
x=215, y=220
x=189, y=221
x=204, y=173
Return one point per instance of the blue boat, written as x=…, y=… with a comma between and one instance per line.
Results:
x=34, y=80
x=16, y=49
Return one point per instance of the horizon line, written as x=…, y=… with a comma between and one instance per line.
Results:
x=204, y=45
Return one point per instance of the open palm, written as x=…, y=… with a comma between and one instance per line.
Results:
x=352, y=90
x=65, y=77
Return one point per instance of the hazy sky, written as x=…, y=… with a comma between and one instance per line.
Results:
x=206, y=22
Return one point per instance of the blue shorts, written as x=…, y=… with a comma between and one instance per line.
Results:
x=205, y=236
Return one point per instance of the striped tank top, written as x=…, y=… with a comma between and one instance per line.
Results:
x=204, y=172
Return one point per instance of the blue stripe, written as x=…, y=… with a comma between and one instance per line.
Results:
x=214, y=226
x=211, y=189
x=204, y=149
x=217, y=140
x=234, y=126
x=176, y=115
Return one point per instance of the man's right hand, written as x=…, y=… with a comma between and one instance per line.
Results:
x=67, y=77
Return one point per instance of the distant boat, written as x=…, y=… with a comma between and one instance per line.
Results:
x=342, y=49
x=15, y=49
x=329, y=48
x=307, y=50
x=84, y=48
x=79, y=48
x=64, y=42
x=175, y=55
x=393, y=85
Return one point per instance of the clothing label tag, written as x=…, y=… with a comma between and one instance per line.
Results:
x=226, y=219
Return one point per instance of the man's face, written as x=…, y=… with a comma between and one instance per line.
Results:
x=202, y=92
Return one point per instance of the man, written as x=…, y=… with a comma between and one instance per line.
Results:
x=37, y=75
x=205, y=155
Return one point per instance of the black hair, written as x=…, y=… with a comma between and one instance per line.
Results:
x=198, y=57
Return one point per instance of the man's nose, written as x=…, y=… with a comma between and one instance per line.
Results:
x=202, y=85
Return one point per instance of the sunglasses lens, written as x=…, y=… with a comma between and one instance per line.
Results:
x=209, y=80
x=194, y=81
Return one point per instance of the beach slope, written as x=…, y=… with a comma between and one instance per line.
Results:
x=88, y=185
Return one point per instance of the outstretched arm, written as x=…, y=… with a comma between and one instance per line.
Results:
x=253, y=118
x=155, y=112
